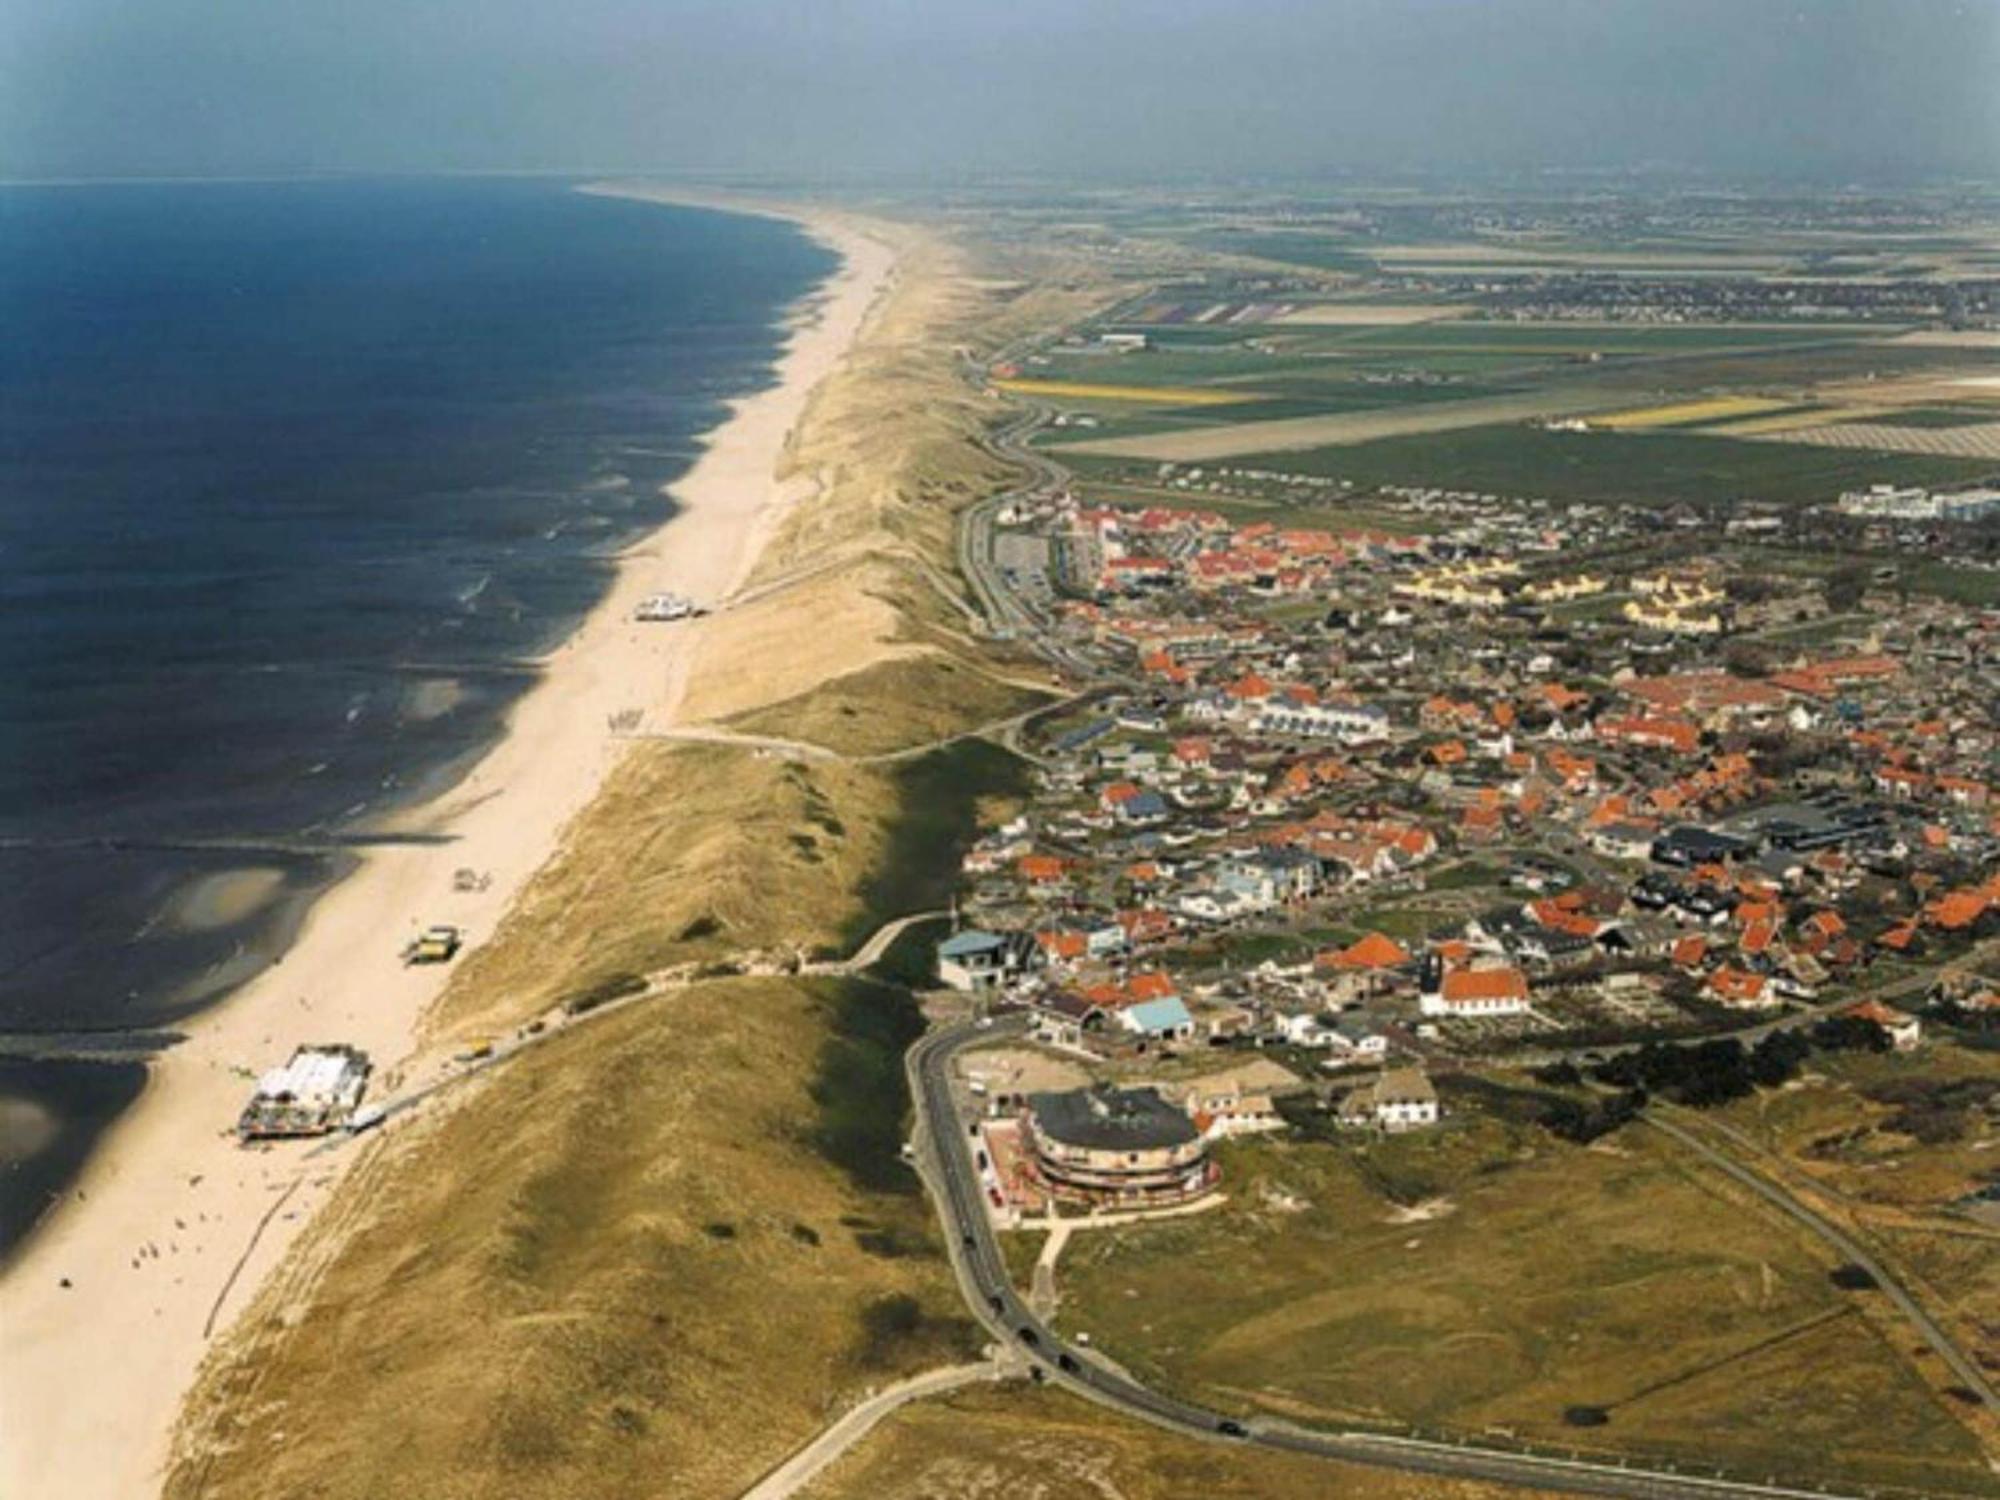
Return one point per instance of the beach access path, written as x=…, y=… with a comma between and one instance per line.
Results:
x=173, y=1228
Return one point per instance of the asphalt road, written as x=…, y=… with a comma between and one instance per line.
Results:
x=945, y=1161
x=1008, y=614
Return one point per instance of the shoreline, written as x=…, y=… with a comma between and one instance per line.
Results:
x=171, y=1228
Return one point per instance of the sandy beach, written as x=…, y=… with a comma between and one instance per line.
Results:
x=107, y=1312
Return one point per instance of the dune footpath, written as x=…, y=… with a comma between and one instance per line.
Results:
x=108, y=1310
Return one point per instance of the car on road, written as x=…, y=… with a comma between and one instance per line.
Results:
x=1230, y=1428
x=1028, y=1335
x=1067, y=1361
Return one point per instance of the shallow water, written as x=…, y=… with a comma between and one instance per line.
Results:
x=296, y=482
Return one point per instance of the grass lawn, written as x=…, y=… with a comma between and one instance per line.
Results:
x=1550, y=1277
x=1021, y=1249
x=1979, y=587
x=1467, y=874
x=1403, y=922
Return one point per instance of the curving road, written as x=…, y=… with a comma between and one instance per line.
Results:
x=944, y=1160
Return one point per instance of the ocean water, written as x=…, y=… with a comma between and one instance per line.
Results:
x=296, y=479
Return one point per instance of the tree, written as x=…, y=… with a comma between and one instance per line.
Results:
x=1849, y=1034
x=1843, y=588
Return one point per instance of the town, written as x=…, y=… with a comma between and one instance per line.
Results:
x=1349, y=812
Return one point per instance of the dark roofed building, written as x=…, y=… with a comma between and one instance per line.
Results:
x=1116, y=1146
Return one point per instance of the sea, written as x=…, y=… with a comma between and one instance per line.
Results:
x=297, y=482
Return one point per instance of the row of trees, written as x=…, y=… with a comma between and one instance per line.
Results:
x=1700, y=1074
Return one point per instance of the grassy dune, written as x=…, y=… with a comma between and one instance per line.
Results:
x=1538, y=1278
x=641, y=1263
x=689, y=853
x=1035, y=1445
x=932, y=696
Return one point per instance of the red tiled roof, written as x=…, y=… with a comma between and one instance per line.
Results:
x=1503, y=983
x=1375, y=951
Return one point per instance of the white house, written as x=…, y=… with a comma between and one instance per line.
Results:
x=1220, y=1107
x=1397, y=1099
x=975, y=960
x=1351, y=723
x=1499, y=991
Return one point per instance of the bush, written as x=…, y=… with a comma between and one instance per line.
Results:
x=859, y=1088
x=603, y=992
x=1849, y=1034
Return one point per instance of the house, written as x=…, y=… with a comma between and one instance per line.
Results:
x=1903, y=1030
x=1686, y=845
x=1739, y=989
x=1397, y=1099
x=1622, y=840
x=1373, y=953
x=1222, y=1107
x=1217, y=908
x=976, y=960
x=1355, y=1039
x=1305, y=1029
x=1145, y=807
x=1644, y=732
x=1498, y=990
x=1063, y=1018
x=1164, y=1020
x=1271, y=876
x=1103, y=939
x=1354, y=723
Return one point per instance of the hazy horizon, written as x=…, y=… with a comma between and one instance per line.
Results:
x=1118, y=90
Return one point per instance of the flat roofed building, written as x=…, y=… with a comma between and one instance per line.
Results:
x=317, y=1091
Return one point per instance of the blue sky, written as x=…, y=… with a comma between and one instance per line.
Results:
x=1160, y=89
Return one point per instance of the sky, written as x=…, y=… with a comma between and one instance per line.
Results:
x=1153, y=90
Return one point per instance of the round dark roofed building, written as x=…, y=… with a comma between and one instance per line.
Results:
x=1115, y=1147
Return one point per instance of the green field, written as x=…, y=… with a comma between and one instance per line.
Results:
x=1934, y=416
x=1322, y=252
x=1467, y=335
x=1979, y=587
x=1649, y=467
x=1309, y=399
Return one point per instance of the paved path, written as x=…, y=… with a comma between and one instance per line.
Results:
x=870, y=953
x=558, y=1022
x=796, y=1472
x=1963, y=1369
x=1003, y=731
x=696, y=734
